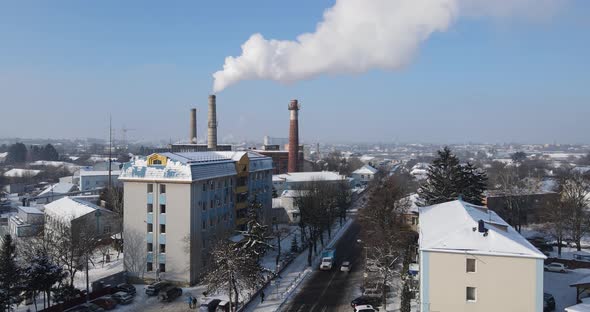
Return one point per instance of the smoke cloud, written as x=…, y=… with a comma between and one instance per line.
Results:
x=359, y=35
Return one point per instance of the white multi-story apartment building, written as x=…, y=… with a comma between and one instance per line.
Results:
x=472, y=260
x=178, y=204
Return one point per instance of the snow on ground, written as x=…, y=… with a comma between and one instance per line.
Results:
x=558, y=284
x=98, y=270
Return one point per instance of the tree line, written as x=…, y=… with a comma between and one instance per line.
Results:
x=18, y=153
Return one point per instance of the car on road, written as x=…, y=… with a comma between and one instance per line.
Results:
x=154, y=288
x=170, y=293
x=209, y=305
x=555, y=267
x=548, y=302
x=365, y=308
x=366, y=300
x=105, y=302
x=128, y=288
x=223, y=306
x=122, y=297
x=345, y=267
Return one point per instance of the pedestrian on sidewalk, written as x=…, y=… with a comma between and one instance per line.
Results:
x=261, y=296
x=190, y=301
x=194, y=302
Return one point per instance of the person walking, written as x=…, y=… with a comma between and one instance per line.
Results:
x=261, y=296
x=194, y=302
x=190, y=301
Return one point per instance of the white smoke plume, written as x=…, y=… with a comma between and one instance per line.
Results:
x=358, y=35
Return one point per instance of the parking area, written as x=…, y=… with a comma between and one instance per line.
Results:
x=558, y=284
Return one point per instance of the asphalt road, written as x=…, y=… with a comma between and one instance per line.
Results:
x=333, y=290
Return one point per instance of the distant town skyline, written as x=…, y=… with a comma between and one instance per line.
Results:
x=66, y=66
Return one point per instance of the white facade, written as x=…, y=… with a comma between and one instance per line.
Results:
x=177, y=205
x=364, y=175
x=294, y=180
x=472, y=265
x=90, y=179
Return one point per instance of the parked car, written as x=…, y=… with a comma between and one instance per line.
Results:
x=209, y=305
x=555, y=267
x=154, y=288
x=548, y=302
x=128, y=288
x=366, y=300
x=345, y=267
x=86, y=307
x=365, y=308
x=170, y=293
x=106, y=302
x=223, y=307
x=122, y=297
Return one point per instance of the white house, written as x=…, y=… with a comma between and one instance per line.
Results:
x=28, y=221
x=92, y=179
x=295, y=180
x=472, y=260
x=364, y=174
x=80, y=216
x=55, y=192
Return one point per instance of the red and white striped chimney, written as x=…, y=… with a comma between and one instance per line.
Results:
x=293, y=162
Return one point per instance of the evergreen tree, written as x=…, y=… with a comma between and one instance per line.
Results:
x=448, y=180
x=17, y=153
x=41, y=275
x=49, y=153
x=11, y=278
x=443, y=179
x=294, y=244
x=474, y=184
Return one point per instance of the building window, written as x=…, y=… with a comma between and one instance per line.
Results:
x=150, y=208
x=204, y=187
x=106, y=229
x=162, y=248
x=211, y=204
x=150, y=247
x=470, y=265
x=204, y=225
x=471, y=294
x=150, y=267
x=162, y=188
x=150, y=227
x=211, y=222
x=203, y=205
x=162, y=267
x=162, y=208
x=163, y=228
x=150, y=188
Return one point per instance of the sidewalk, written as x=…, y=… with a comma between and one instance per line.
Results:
x=282, y=288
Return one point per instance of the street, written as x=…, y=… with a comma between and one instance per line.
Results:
x=333, y=290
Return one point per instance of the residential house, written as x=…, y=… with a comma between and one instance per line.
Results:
x=472, y=260
x=27, y=222
x=364, y=175
x=81, y=216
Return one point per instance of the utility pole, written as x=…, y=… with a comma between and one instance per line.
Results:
x=110, y=148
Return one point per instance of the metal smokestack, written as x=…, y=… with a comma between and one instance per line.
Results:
x=193, y=127
x=293, y=163
x=212, y=126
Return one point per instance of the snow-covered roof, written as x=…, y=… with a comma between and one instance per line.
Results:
x=293, y=193
x=21, y=173
x=366, y=169
x=31, y=210
x=58, y=188
x=582, y=169
x=412, y=201
x=453, y=227
x=309, y=176
x=192, y=166
x=68, y=208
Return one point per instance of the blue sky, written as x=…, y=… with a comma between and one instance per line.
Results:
x=65, y=65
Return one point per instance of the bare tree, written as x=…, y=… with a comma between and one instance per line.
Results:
x=135, y=259
x=575, y=190
x=514, y=189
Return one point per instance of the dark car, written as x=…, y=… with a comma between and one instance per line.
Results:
x=122, y=297
x=209, y=305
x=128, y=288
x=548, y=302
x=170, y=293
x=363, y=300
x=106, y=302
x=154, y=289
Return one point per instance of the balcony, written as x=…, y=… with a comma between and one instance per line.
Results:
x=241, y=205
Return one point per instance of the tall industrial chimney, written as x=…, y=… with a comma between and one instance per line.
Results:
x=193, y=130
x=212, y=133
x=292, y=165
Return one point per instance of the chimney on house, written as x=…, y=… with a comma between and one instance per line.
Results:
x=293, y=161
x=193, y=127
x=212, y=125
